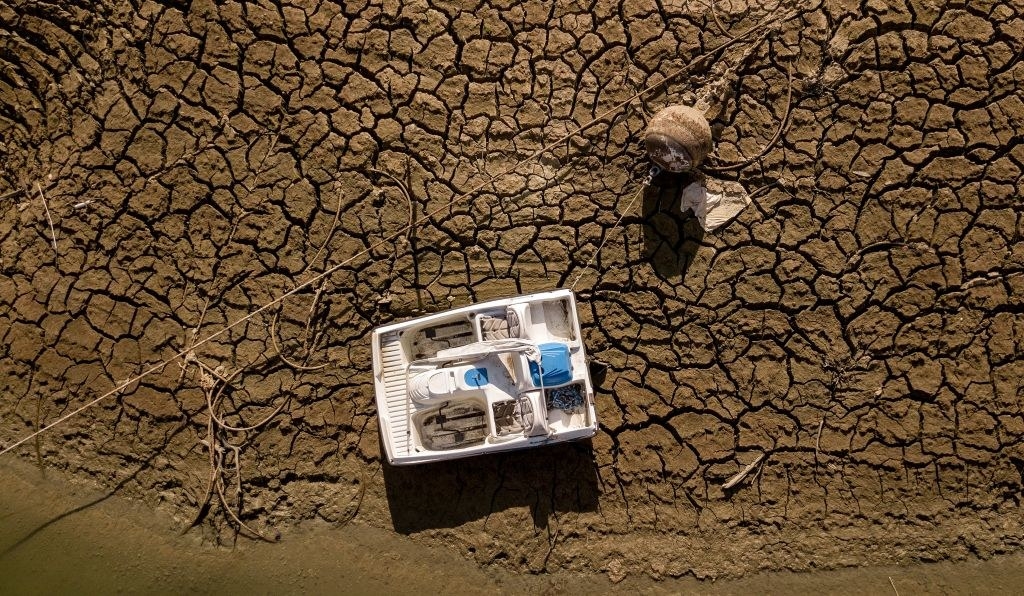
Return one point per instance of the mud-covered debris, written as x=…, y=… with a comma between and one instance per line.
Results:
x=714, y=202
x=678, y=138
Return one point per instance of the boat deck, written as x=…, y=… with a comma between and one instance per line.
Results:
x=396, y=395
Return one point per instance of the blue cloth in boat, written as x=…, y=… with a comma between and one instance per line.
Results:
x=554, y=360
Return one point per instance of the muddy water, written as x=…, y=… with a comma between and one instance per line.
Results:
x=60, y=536
x=63, y=537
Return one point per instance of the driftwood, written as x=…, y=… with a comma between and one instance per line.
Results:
x=739, y=476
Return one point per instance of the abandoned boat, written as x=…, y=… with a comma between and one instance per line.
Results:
x=495, y=376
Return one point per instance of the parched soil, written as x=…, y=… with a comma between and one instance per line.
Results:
x=169, y=167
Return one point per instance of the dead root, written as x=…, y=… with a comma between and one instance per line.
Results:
x=225, y=456
x=718, y=22
x=408, y=199
x=330, y=231
x=310, y=336
x=280, y=354
x=410, y=228
x=774, y=140
x=357, y=502
x=49, y=220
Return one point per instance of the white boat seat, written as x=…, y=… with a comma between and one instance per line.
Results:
x=440, y=384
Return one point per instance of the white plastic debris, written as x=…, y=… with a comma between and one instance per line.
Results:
x=714, y=202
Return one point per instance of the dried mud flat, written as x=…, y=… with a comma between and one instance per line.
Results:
x=860, y=324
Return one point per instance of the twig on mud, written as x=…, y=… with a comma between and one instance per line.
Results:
x=212, y=404
x=24, y=191
x=238, y=491
x=190, y=355
x=211, y=372
x=359, y=502
x=210, y=442
x=259, y=168
x=721, y=27
x=213, y=385
x=312, y=314
x=53, y=234
x=410, y=229
x=408, y=198
x=739, y=476
x=185, y=159
x=817, y=441
x=237, y=450
x=330, y=232
x=280, y=353
x=762, y=189
x=236, y=221
x=11, y=194
x=893, y=584
x=237, y=520
x=774, y=140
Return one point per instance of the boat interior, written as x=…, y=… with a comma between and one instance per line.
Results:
x=549, y=320
x=496, y=375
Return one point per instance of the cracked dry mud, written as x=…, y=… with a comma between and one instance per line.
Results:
x=861, y=323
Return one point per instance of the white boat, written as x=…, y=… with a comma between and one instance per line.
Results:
x=495, y=376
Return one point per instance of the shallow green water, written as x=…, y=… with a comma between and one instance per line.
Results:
x=58, y=537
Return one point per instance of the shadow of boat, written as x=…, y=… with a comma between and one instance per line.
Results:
x=549, y=480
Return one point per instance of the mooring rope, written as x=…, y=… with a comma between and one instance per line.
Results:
x=643, y=187
x=390, y=239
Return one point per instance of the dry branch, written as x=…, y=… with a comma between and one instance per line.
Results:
x=408, y=199
x=214, y=384
x=817, y=441
x=721, y=27
x=24, y=191
x=775, y=139
x=330, y=232
x=739, y=476
x=280, y=353
x=46, y=207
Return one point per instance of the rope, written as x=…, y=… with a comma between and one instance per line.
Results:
x=646, y=183
x=334, y=268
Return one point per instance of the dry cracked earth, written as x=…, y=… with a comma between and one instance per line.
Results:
x=171, y=166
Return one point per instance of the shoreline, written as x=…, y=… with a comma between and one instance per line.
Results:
x=61, y=535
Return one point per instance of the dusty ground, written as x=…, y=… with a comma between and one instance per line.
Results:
x=860, y=324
